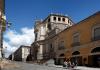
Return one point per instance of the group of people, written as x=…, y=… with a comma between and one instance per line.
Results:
x=69, y=64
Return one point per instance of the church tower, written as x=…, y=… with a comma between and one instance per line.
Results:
x=47, y=28
x=56, y=23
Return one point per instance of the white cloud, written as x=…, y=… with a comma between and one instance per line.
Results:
x=13, y=39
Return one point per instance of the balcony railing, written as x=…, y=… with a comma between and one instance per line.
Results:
x=75, y=44
x=95, y=38
x=61, y=48
x=49, y=55
x=53, y=33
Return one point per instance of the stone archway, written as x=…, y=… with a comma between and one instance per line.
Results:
x=60, y=60
x=76, y=58
x=96, y=50
x=76, y=53
x=94, y=58
x=29, y=58
x=61, y=55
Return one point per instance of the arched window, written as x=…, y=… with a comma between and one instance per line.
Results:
x=63, y=19
x=76, y=53
x=49, y=26
x=49, y=20
x=97, y=49
x=76, y=39
x=59, y=19
x=62, y=55
x=61, y=45
x=54, y=18
x=96, y=32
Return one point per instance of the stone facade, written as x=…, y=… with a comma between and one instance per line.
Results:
x=43, y=48
x=87, y=39
x=78, y=43
x=21, y=54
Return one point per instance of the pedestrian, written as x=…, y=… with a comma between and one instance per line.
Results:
x=72, y=65
x=76, y=63
x=69, y=64
x=65, y=64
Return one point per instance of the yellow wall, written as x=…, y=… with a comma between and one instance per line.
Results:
x=85, y=31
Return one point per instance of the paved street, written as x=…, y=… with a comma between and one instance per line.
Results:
x=27, y=66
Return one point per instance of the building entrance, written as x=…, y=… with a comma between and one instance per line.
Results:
x=94, y=58
x=76, y=58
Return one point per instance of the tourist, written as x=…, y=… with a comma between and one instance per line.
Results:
x=65, y=64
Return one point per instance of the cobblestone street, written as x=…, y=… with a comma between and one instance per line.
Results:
x=28, y=66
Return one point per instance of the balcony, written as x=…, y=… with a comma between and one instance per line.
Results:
x=53, y=32
x=61, y=48
x=95, y=38
x=49, y=55
x=75, y=44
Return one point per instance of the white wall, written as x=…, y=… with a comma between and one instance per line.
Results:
x=40, y=52
x=25, y=52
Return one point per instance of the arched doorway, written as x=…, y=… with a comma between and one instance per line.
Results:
x=94, y=59
x=29, y=58
x=96, y=50
x=76, y=58
x=60, y=60
x=76, y=53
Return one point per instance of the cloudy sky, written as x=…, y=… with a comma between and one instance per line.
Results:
x=14, y=39
x=23, y=13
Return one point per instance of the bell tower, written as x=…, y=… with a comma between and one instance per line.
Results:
x=57, y=23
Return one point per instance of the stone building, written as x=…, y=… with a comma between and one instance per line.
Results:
x=78, y=43
x=21, y=54
x=43, y=48
x=82, y=41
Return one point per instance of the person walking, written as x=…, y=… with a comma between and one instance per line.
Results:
x=68, y=64
x=65, y=64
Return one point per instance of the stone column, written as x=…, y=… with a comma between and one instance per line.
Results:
x=40, y=52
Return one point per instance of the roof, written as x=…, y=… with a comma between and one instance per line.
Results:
x=56, y=14
x=80, y=22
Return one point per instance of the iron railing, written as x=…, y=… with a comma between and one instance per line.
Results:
x=75, y=44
